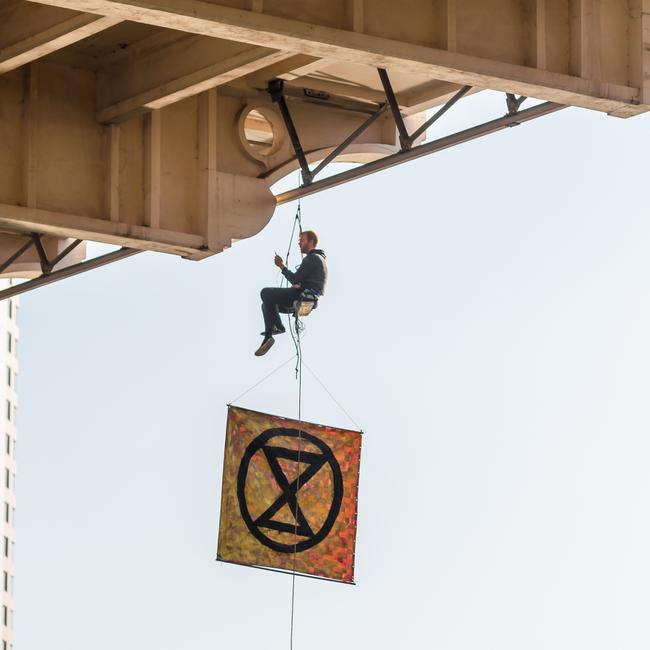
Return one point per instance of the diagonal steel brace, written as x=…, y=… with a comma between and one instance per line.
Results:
x=46, y=264
x=12, y=258
x=275, y=89
x=349, y=140
x=406, y=139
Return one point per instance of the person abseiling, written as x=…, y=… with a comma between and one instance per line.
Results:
x=311, y=274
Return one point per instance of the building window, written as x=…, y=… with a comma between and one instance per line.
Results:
x=6, y=549
x=7, y=478
x=9, y=410
x=7, y=512
x=10, y=308
x=7, y=443
x=8, y=376
x=6, y=580
x=9, y=342
x=5, y=615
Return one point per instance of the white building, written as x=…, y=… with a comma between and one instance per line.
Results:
x=8, y=406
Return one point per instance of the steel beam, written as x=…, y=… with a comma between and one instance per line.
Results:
x=422, y=150
x=68, y=272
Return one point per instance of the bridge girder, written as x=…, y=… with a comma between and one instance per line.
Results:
x=129, y=122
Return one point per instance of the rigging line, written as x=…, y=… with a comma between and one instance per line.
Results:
x=295, y=514
x=296, y=341
x=313, y=374
x=297, y=220
x=261, y=381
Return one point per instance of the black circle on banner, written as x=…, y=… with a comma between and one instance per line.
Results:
x=290, y=490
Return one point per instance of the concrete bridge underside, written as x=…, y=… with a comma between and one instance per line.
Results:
x=148, y=124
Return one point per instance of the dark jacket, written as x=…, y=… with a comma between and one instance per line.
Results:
x=312, y=272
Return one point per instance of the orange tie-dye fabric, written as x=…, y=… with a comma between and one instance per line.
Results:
x=289, y=488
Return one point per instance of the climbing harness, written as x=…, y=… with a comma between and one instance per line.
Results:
x=306, y=302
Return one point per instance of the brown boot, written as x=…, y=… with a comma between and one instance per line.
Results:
x=265, y=347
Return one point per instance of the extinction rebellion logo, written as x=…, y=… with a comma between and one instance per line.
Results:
x=309, y=465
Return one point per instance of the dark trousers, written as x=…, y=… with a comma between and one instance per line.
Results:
x=274, y=299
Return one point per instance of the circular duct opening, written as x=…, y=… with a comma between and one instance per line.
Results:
x=260, y=131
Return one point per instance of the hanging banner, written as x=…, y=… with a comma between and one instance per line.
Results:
x=289, y=495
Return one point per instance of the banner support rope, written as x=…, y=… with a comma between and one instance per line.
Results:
x=261, y=381
x=322, y=385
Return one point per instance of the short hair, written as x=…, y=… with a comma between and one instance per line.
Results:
x=311, y=236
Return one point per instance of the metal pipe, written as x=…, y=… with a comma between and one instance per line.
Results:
x=417, y=152
x=74, y=269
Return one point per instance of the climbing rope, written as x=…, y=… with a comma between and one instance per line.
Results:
x=297, y=221
x=295, y=514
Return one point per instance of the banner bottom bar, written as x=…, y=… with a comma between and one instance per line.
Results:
x=285, y=572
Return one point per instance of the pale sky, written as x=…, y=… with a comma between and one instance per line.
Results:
x=487, y=323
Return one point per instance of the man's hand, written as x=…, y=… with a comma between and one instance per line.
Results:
x=278, y=261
